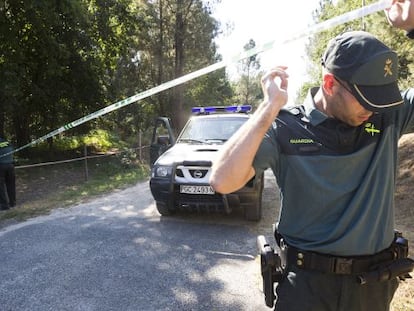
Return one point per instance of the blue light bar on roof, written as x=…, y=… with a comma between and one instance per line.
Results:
x=208, y=110
x=203, y=109
x=242, y=108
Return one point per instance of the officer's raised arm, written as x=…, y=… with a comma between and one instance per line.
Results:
x=233, y=166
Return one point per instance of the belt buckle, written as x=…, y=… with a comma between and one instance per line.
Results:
x=343, y=266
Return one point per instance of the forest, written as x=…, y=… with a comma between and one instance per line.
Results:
x=62, y=60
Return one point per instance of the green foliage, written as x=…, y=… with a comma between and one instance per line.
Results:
x=209, y=90
x=64, y=142
x=247, y=89
x=98, y=139
x=374, y=23
x=180, y=41
x=61, y=60
x=67, y=147
x=46, y=66
x=105, y=174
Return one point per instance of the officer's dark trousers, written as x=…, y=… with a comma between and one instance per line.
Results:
x=305, y=290
x=7, y=186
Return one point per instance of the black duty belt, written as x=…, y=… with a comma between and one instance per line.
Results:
x=338, y=265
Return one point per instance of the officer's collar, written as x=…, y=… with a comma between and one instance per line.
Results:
x=314, y=115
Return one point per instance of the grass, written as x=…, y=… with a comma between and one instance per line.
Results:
x=41, y=189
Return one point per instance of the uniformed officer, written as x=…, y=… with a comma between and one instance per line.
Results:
x=7, y=176
x=335, y=161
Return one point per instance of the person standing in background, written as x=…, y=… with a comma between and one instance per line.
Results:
x=7, y=176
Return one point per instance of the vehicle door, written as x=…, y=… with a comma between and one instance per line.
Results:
x=162, y=138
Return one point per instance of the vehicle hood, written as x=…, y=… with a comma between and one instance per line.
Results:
x=181, y=152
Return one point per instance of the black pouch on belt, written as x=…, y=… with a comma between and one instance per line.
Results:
x=400, y=267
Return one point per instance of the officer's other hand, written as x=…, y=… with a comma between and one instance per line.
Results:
x=401, y=14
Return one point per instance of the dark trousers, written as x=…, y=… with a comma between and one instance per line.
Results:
x=7, y=186
x=305, y=290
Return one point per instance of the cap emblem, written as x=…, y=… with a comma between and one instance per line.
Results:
x=388, y=68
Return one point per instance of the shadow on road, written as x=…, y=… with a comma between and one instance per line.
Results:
x=98, y=258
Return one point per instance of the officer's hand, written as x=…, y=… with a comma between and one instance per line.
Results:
x=401, y=14
x=274, y=86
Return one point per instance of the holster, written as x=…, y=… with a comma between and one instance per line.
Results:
x=271, y=269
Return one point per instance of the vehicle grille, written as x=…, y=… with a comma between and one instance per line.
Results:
x=194, y=173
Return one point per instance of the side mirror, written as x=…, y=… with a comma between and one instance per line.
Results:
x=163, y=140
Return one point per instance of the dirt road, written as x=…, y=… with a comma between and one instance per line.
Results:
x=117, y=253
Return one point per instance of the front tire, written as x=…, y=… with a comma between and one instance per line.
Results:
x=253, y=211
x=163, y=209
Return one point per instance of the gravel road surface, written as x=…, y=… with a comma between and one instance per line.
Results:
x=117, y=253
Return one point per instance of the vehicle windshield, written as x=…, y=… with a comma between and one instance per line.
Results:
x=210, y=130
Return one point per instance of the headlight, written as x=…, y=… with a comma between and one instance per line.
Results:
x=162, y=171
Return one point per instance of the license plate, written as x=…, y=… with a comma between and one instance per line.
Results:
x=196, y=189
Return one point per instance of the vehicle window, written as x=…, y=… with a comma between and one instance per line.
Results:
x=161, y=130
x=210, y=129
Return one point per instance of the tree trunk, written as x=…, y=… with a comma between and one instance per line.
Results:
x=178, y=91
x=160, y=59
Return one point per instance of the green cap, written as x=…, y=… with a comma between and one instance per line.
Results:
x=369, y=67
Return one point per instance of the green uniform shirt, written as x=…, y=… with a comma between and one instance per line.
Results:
x=336, y=182
x=5, y=148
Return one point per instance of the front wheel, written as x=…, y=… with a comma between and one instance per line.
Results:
x=163, y=209
x=253, y=211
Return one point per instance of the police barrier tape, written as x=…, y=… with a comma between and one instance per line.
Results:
x=85, y=157
x=341, y=19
